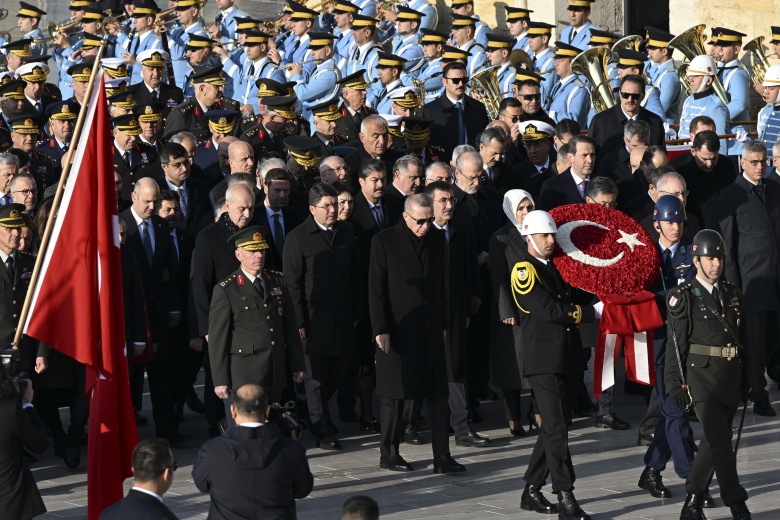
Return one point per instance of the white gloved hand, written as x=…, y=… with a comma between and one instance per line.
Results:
x=742, y=136
x=669, y=132
x=598, y=307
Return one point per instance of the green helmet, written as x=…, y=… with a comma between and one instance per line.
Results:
x=709, y=243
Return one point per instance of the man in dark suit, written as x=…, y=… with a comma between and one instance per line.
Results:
x=129, y=160
x=457, y=118
x=493, y=144
x=748, y=213
x=373, y=145
x=616, y=163
x=192, y=193
x=606, y=129
x=153, y=468
x=252, y=470
x=302, y=159
x=149, y=237
x=213, y=260
x=406, y=295
x=570, y=186
x=276, y=215
x=553, y=360
x=321, y=268
x=407, y=178
x=153, y=89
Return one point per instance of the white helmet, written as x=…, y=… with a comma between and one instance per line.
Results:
x=702, y=65
x=772, y=76
x=538, y=221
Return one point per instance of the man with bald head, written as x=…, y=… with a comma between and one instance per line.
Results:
x=211, y=157
x=333, y=169
x=213, y=260
x=374, y=144
x=149, y=237
x=240, y=159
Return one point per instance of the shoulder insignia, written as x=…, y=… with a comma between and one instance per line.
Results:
x=208, y=145
x=228, y=280
x=250, y=133
x=523, y=279
x=696, y=291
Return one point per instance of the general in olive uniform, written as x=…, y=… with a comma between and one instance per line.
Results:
x=252, y=335
x=704, y=323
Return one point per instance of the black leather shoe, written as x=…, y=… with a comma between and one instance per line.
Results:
x=517, y=432
x=472, y=438
x=140, y=420
x=73, y=458
x=531, y=420
x=764, y=408
x=348, y=416
x=412, y=437
x=645, y=439
x=194, y=403
x=329, y=443
x=534, y=500
x=396, y=463
x=692, y=508
x=707, y=501
x=569, y=509
x=611, y=421
x=446, y=464
x=650, y=481
x=739, y=511
x=370, y=426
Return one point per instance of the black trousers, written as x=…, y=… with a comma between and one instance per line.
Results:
x=185, y=363
x=396, y=413
x=554, y=394
x=763, y=333
x=715, y=451
x=161, y=392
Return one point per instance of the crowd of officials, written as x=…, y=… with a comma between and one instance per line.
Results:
x=343, y=210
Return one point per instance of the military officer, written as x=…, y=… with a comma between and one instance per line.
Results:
x=499, y=48
x=577, y=33
x=34, y=76
x=735, y=81
x=517, y=19
x=25, y=130
x=121, y=103
x=551, y=365
x=390, y=69
x=266, y=136
x=252, y=334
x=150, y=119
x=432, y=43
x=406, y=42
x=353, y=106
x=29, y=19
x=406, y=100
x=463, y=31
x=769, y=115
x=712, y=373
x=129, y=158
x=569, y=98
x=365, y=51
x=663, y=76
x=543, y=57
x=466, y=8
x=320, y=84
x=701, y=74
x=417, y=132
x=62, y=119
x=632, y=62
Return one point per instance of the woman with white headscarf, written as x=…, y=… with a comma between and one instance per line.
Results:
x=506, y=354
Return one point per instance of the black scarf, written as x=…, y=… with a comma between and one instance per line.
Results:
x=224, y=219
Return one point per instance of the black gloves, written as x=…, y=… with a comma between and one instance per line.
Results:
x=680, y=396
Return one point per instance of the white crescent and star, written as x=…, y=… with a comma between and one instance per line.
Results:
x=567, y=245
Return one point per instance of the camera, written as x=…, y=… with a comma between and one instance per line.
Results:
x=8, y=357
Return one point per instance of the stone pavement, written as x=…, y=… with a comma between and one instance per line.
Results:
x=607, y=464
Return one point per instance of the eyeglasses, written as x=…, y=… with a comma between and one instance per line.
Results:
x=336, y=169
x=626, y=95
x=457, y=81
x=26, y=192
x=177, y=165
x=756, y=163
x=451, y=200
x=678, y=194
x=327, y=206
x=531, y=97
x=607, y=204
x=420, y=221
x=472, y=179
x=514, y=119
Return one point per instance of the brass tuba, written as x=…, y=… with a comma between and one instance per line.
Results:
x=631, y=41
x=759, y=63
x=486, y=83
x=691, y=44
x=592, y=64
x=3, y=13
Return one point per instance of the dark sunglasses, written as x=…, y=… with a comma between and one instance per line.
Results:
x=420, y=221
x=457, y=81
x=626, y=95
x=531, y=97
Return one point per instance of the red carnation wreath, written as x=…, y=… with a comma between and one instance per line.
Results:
x=605, y=252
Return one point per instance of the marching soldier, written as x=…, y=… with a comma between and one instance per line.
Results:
x=406, y=42
x=466, y=8
x=499, y=48
x=577, y=33
x=463, y=35
x=29, y=20
x=432, y=43
x=712, y=374
x=551, y=365
x=663, y=76
x=569, y=98
x=769, y=115
x=735, y=81
x=701, y=73
x=543, y=56
x=517, y=18
x=353, y=107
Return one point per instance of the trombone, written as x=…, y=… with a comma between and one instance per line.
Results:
x=69, y=27
x=163, y=18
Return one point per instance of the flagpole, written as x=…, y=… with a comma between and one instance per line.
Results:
x=67, y=162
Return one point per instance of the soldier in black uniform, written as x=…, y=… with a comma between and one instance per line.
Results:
x=130, y=159
x=553, y=359
x=191, y=115
x=253, y=337
x=124, y=100
x=302, y=160
x=704, y=317
x=25, y=130
x=62, y=119
x=353, y=109
x=326, y=116
x=417, y=132
x=267, y=135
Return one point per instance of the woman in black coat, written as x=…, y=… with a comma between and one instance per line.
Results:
x=506, y=352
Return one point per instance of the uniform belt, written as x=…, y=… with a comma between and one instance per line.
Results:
x=728, y=352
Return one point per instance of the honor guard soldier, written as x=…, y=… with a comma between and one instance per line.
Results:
x=128, y=157
x=663, y=75
x=243, y=26
x=252, y=334
x=543, y=57
x=365, y=52
x=769, y=115
x=199, y=55
x=190, y=115
x=775, y=41
x=703, y=102
x=569, y=98
x=153, y=88
x=62, y=119
x=390, y=77
x=188, y=13
x=406, y=42
x=406, y=101
x=632, y=62
x=430, y=18
x=605, y=40
x=29, y=21
x=577, y=33
x=708, y=368
x=499, y=48
x=553, y=358
x=301, y=20
x=324, y=119
x=345, y=40
x=735, y=81
x=143, y=16
x=224, y=25
x=353, y=106
x=463, y=30
x=25, y=131
x=320, y=83
x=92, y=23
x=432, y=43
x=466, y=8
x=517, y=19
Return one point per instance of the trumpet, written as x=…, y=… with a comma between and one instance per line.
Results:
x=69, y=26
x=3, y=13
x=111, y=20
x=387, y=5
x=320, y=4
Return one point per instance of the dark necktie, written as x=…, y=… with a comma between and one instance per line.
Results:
x=147, y=240
x=126, y=158
x=462, y=137
x=258, y=283
x=136, y=44
x=278, y=233
x=715, y=296
x=380, y=219
x=584, y=189
x=154, y=95
x=759, y=189
x=301, y=184
x=182, y=202
x=328, y=234
x=9, y=266
x=668, y=262
x=534, y=60
x=572, y=36
x=251, y=70
x=358, y=118
x=65, y=148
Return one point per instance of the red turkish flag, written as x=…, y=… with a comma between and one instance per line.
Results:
x=77, y=307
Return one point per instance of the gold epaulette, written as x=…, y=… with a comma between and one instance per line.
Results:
x=522, y=280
